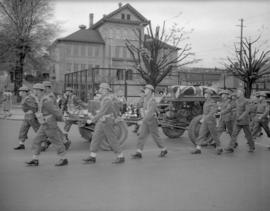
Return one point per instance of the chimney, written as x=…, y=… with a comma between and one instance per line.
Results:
x=82, y=27
x=120, y=4
x=91, y=19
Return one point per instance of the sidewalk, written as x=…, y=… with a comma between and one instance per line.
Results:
x=16, y=113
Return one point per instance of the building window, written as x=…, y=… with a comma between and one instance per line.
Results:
x=83, y=66
x=129, y=75
x=117, y=51
x=128, y=16
x=120, y=74
x=124, y=52
x=122, y=16
x=82, y=50
x=69, y=67
x=76, y=50
x=76, y=67
x=97, y=51
x=68, y=50
x=90, y=51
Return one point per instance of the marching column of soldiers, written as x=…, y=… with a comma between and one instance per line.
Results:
x=42, y=113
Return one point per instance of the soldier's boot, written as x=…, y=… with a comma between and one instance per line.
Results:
x=219, y=151
x=137, y=155
x=251, y=149
x=196, y=151
x=89, y=160
x=20, y=147
x=62, y=162
x=229, y=150
x=33, y=162
x=163, y=153
x=119, y=160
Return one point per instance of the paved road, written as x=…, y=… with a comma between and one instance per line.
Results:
x=182, y=181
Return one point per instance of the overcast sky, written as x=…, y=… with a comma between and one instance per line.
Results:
x=214, y=21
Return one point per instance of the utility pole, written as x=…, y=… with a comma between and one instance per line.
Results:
x=241, y=43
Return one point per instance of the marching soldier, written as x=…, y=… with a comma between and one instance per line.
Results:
x=105, y=121
x=225, y=122
x=29, y=107
x=233, y=97
x=261, y=116
x=254, y=102
x=242, y=122
x=49, y=93
x=208, y=124
x=48, y=115
x=71, y=104
x=149, y=124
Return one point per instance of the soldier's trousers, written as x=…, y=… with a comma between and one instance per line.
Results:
x=236, y=130
x=257, y=125
x=206, y=127
x=105, y=130
x=25, y=126
x=149, y=129
x=53, y=134
x=225, y=125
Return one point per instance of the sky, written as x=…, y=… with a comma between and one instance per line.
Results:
x=215, y=23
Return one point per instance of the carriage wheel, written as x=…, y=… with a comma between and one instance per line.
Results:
x=172, y=132
x=194, y=128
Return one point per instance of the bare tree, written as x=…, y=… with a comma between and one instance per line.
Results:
x=255, y=65
x=159, y=52
x=25, y=34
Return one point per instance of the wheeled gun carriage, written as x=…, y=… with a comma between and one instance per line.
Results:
x=177, y=112
x=181, y=110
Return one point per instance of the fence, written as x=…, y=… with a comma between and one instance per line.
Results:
x=85, y=82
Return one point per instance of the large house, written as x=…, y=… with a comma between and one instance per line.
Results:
x=100, y=45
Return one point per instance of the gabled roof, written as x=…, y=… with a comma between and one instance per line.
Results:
x=84, y=35
x=107, y=18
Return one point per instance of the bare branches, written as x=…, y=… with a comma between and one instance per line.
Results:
x=255, y=64
x=160, y=53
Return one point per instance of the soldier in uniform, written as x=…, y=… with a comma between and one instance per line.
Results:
x=208, y=124
x=29, y=107
x=242, y=122
x=48, y=114
x=72, y=103
x=225, y=121
x=49, y=93
x=261, y=116
x=149, y=124
x=104, y=128
x=254, y=102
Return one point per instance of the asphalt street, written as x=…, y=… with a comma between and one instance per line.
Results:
x=181, y=181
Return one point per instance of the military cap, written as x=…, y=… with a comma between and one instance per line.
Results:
x=24, y=88
x=69, y=89
x=105, y=86
x=224, y=92
x=47, y=84
x=149, y=86
x=38, y=86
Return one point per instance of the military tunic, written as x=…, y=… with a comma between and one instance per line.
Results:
x=104, y=128
x=242, y=122
x=225, y=122
x=29, y=107
x=209, y=123
x=149, y=124
x=260, y=118
x=48, y=115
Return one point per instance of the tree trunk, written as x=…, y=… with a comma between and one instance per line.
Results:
x=19, y=75
x=248, y=89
